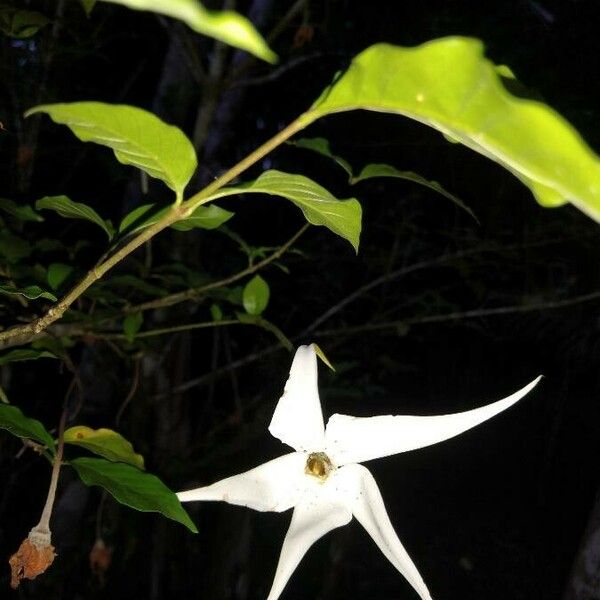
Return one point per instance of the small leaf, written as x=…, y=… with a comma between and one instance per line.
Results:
x=21, y=23
x=57, y=273
x=14, y=421
x=383, y=170
x=137, y=137
x=12, y=247
x=88, y=6
x=256, y=295
x=68, y=209
x=321, y=146
x=32, y=292
x=20, y=354
x=3, y=396
x=106, y=443
x=22, y=212
x=449, y=85
x=216, y=313
x=131, y=325
x=204, y=217
x=141, y=217
x=227, y=26
x=132, y=487
x=319, y=206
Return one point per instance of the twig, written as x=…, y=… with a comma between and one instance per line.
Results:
x=199, y=291
x=132, y=390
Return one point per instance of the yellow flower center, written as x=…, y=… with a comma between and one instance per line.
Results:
x=318, y=465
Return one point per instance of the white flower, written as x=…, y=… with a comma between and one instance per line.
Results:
x=322, y=479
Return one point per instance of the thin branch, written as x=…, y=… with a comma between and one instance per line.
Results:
x=467, y=314
x=194, y=293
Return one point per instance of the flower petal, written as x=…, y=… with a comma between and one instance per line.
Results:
x=273, y=486
x=354, y=439
x=298, y=419
x=364, y=497
x=311, y=520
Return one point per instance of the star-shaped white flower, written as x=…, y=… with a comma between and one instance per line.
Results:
x=322, y=479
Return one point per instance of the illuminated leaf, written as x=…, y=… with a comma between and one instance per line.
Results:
x=14, y=421
x=256, y=295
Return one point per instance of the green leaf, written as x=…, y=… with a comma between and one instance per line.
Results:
x=137, y=137
x=132, y=487
x=20, y=354
x=448, y=84
x=14, y=421
x=256, y=295
x=204, y=217
x=12, y=247
x=106, y=443
x=131, y=325
x=32, y=292
x=57, y=273
x=226, y=26
x=321, y=146
x=88, y=6
x=216, y=313
x=21, y=23
x=141, y=217
x=319, y=206
x=68, y=209
x=383, y=170
x=22, y=212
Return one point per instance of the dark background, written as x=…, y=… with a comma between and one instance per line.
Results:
x=498, y=513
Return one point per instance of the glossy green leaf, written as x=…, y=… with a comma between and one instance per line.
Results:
x=320, y=145
x=68, y=209
x=448, y=84
x=31, y=292
x=21, y=354
x=226, y=26
x=106, y=443
x=57, y=273
x=382, y=170
x=21, y=23
x=132, y=487
x=204, y=217
x=14, y=421
x=22, y=212
x=137, y=137
x=131, y=325
x=319, y=206
x=256, y=295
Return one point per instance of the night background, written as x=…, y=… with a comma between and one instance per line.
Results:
x=438, y=313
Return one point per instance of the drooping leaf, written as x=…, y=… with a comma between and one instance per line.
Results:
x=68, y=209
x=256, y=295
x=57, y=273
x=320, y=145
x=13, y=420
x=22, y=212
x=204, y=217
x=448, y=84
x=382, y=170
x=132, y=487
x=227, y=26
x=131, y=325
x=106, y=443
x=21, y=23
x=31, y=292
x=137, y=137
x=319, y=206
x=20, y=354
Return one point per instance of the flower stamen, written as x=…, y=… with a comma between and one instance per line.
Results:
x=318, y=465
